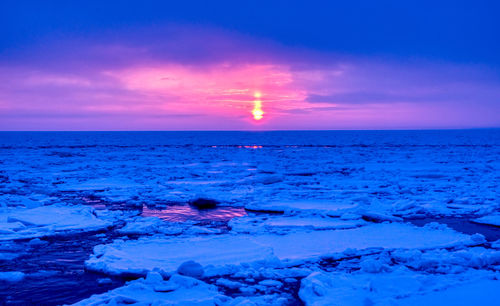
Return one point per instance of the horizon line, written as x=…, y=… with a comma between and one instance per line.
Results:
x=270, y=130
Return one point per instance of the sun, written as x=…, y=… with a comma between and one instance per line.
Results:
x=257, y=111
x=257, y=114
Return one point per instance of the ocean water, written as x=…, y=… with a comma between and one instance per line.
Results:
x=445, y=174
x=265, y=138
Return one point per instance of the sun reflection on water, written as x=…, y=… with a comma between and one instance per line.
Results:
x=182, y=213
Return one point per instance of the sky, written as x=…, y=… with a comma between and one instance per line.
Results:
x=249, y=65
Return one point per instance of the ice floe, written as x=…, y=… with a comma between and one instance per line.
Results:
x=399, y=287
x=326, y=193
x=11, y=277
x=153, y=290
x=488, y=220
x=21, y=223
x=313, y=206
x=166, y=254
x=183, y=290
x=252, y=224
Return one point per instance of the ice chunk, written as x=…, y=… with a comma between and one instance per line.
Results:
x=49, y=220
x=229, y=283
x=271, y=283
x=178, y=290
x=399, y=287
x=250, y=224
x=166, y=254
x=467, y=293
x=302, y=245
x=144, y=225
x=323, y=206
x=104, y=183
x=191, y=269
x=488, y=220
x=11, y=277
x=378, y=217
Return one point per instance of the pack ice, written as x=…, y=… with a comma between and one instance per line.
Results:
x=326, y=219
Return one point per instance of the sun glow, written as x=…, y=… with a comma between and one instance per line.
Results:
x=257, y=112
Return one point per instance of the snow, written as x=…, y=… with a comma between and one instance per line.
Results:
x=166, y=254
x=43, y=221
x=178, y=290
x=401, y=276
x=280, y=224
x=399, y=287
x=303, y=245
x=466, y=293
x=324, y=209
x=228, y=283
x=328, y=207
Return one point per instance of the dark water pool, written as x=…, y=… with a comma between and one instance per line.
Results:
x=55, y=272
x=463, y=225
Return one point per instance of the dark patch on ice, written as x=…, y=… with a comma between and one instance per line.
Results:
x=302, y=174
x=463, y=225
x=430, y=176
x=65, y=154
x=204, y=203
x=265, y=211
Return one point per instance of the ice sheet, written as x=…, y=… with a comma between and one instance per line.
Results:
x=21, y=223
x=399, y=287
x=493, y=219
x=166, y=254
x=321, y=206
x=252, y=224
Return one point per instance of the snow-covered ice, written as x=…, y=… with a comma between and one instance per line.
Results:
x=286, y=224
x=399, y=287
x=153, y=290
x=328, y=212
x=43, y=221
x=327, y=207
x=178, y=290
x=489, y=220
x=408, y=277
x=166, y=254
x=12, y=277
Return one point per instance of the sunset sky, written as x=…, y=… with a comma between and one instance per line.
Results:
x=249, y=65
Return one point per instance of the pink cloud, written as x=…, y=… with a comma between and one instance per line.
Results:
x=175, y=86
